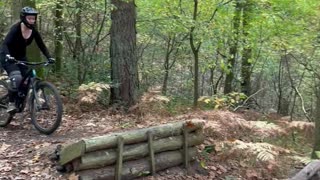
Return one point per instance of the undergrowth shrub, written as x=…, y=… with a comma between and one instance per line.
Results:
x=179, y=105
x=151, y=102
x=221, y=101
x=92, y=94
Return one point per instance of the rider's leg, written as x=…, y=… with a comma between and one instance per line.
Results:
x=15, y=81
x=15, y=77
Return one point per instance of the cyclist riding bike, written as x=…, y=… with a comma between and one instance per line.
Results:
x=15, y=44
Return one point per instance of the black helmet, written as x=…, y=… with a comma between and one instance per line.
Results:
x=25, y=12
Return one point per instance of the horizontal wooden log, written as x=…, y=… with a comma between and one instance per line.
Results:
x=72, y=151
x=140, y=135
x=309, y=172
x=107, y=157
x=137, y=168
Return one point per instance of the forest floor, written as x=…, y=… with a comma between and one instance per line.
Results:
x=238, y=145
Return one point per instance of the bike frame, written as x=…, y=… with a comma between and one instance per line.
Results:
x=32, y=79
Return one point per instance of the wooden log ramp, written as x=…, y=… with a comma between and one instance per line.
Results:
x=134, y=153
x=309, y=172
x=137, y=168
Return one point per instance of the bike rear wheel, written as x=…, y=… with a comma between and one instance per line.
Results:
x=5, y=117
x=46, y=108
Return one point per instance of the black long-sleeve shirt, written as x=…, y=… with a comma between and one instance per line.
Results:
x=16, y=45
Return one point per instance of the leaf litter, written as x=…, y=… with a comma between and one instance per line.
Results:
x=235, y=152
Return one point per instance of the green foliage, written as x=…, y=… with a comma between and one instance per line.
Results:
x=317, y=154
x=92, y=63
x=276, y=28
x=222, y=101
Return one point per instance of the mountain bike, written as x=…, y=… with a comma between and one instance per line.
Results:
x=43, y=99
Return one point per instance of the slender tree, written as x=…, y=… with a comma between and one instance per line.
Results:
x=195, y=47
x=247, y=49
x=167, y=66
x=78, y=42
x=173, y=42
x=58, y=41
x=124, y=73
x=233, y=51
x=316, y=145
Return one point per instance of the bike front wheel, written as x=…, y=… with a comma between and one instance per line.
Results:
x=46, y=108
x=5, y=117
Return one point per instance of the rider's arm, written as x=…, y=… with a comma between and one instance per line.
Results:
x=9, y=39
x=41, y=44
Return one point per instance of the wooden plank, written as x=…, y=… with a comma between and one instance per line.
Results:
x=119, y=159
x=185, y=147
x=151, y=153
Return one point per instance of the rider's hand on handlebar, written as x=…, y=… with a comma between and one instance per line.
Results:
x=51, y=60
x=9, y=58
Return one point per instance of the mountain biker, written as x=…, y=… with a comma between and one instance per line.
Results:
x=15, y=44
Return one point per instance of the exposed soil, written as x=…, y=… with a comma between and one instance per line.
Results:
x=25, y=153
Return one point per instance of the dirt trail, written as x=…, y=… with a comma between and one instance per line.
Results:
x=24, y=153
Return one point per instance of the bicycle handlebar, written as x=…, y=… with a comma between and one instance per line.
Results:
x=25, y=63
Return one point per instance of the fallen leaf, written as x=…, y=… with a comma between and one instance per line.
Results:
x=24, y=171
x=5, y=169
x=36, y=158
x=189, y=124
x=73, y=176
x=252, y=174
x=212, y=174
x=3, y=147
x=90, y=124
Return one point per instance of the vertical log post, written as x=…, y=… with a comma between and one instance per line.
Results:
x=185, y=147
x=151, y=153
x=119, y=158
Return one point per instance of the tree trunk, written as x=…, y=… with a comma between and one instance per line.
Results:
x=316, y=146
x=195, y=50
x=75, y=150
x=136, y=151
x=196, y=79
x=16, y=6
x=58, y=37
x=138, y=168
x=283, y=102
x=167, y=64
x=165, y=82
x=78, y=41
x=202, y=88
x=234, y=48
x=247, y=51
x=124, y=70
x=211, y=82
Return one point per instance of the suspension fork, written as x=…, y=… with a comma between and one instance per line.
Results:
x=34, y=83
